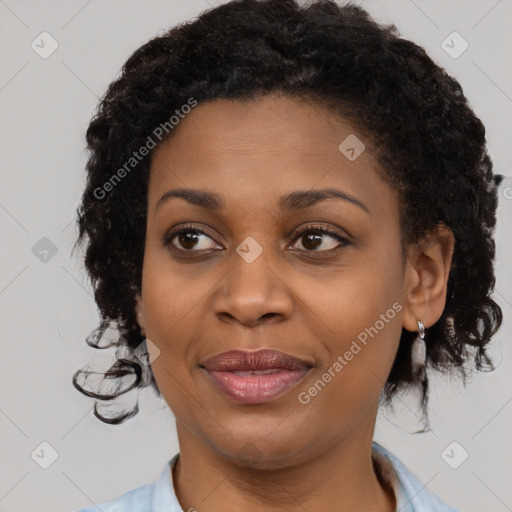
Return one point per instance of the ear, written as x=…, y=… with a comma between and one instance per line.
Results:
x=426, y=280
x=139, y=311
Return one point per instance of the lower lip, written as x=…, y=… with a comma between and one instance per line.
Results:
x=255, y=389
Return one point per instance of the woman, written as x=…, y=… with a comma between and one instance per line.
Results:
x=336, y=190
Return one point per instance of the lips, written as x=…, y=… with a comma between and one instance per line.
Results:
x=255, y=377
x=240, y=360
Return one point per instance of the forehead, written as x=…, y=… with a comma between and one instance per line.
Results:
x=253, y=150
x=272, y=123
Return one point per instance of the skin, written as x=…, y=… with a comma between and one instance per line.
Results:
x=294, y=297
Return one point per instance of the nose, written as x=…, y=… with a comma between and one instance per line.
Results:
x=253, y=294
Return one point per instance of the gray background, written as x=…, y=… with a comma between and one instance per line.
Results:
x=47, y=306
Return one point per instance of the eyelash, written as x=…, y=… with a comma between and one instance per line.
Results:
x=169, y=237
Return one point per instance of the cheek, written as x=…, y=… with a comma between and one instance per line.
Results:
x=174, y=312
x=360, y=326
x=350, y=381
x=353, y=298
x=170, y=292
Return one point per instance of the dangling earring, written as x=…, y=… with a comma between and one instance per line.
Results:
x=419, y=354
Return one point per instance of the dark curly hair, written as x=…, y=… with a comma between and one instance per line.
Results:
x=427, y=139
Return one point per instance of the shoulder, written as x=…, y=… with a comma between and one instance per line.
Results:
x=154, y=497
x=131, y=501
x=412, y=494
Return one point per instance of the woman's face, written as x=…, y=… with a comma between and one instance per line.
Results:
x=252, y=281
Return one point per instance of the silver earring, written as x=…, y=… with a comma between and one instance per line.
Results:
x=419, y=354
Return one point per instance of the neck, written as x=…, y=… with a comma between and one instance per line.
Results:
x=341, y=472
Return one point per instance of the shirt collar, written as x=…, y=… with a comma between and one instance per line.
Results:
x=411, y=495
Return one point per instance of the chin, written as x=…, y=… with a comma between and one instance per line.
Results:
x=260, y=453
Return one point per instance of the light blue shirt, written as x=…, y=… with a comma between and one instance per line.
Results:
x=159, y=496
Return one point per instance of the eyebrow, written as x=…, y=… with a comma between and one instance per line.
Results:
x=288, y=203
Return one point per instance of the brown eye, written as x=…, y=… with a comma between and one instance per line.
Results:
x=318, y=237
x=189, y=239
